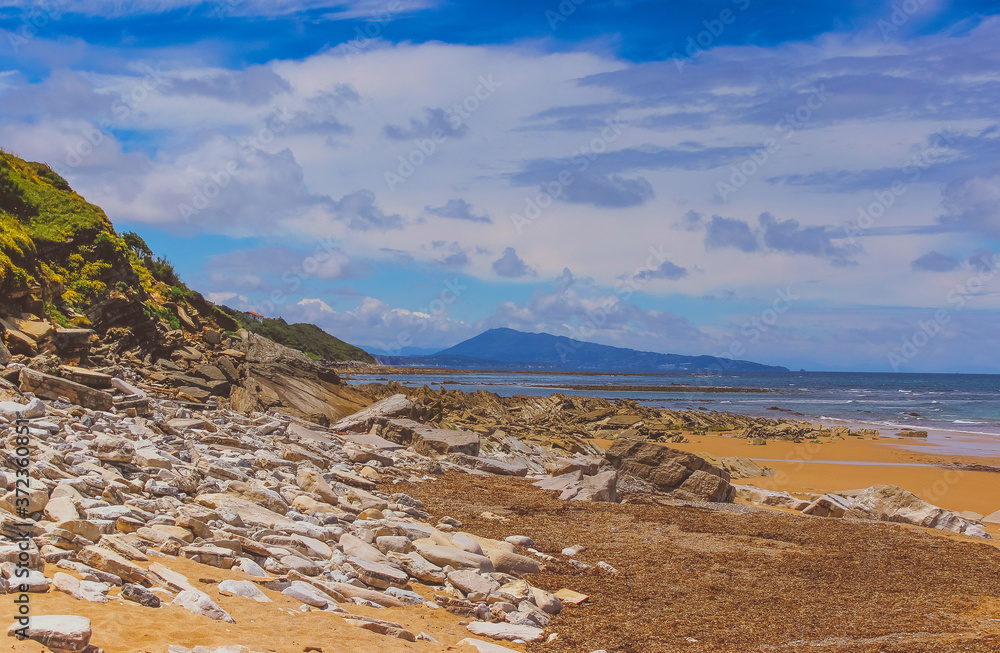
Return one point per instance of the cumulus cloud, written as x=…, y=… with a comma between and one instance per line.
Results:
x=511, y=265
x=266, y=268
x=451, y=254
x=458, y=209
x=359, y=211
x=936, y=262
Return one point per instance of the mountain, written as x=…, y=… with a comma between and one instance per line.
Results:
x=508, y=349
x=311, y=340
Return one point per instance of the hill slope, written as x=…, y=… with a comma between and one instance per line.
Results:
x=62, y=259
x=516, y=350
x=307, y=338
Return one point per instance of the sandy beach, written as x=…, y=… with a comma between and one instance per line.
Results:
x=803, y=468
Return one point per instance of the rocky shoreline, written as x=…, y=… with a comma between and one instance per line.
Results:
x=237, y=454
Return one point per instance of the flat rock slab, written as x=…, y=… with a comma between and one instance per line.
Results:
x=369, y=440
x=89, y=378
x=429, y=441
x=504, y=631
x=53, y=387
x=362, y=420
x=485, y=647
x=59, y=632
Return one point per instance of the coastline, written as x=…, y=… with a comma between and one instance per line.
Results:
x=949, y=481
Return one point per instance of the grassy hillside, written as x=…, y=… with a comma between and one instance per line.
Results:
x=54, y=242
x=307, y=338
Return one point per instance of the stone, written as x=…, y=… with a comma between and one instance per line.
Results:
x=243, y=588
x=358, y=548
x=351, y=591
x=4, y=354
x=378, y=575
x=760, y=497
x=363, y=420
x=430, y=441
x=601, y=487
x=61, y=633
x=310, y=481
x=89, y=378
x=200, y=603
x=485, y=647
x=80, y=590
x=53, y=387
x=399, y=544
x=113, y=563
x=519, y=540
x=168, y=578
x=32, y=499
x=894, y=504
x=471, y=582
x=506, y=631
x=992, y=518
x=61, y=509
x=141, y=595
x=569, y=597
x=445, y=555
x=301, y=591
x=679, y=474
x=512, y=563
x=546, y=601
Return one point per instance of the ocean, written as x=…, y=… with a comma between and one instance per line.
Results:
x=948, y=406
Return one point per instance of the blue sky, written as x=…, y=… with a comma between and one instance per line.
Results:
x=807, y=184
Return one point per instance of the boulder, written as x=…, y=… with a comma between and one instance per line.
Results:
x=602, y=487
x=679, y=474
x=53, y=387
x=431, y=441
x=445, y=555
x=61, y=633
x=894, y=504
x=760, y=497
x=992, y=518
x=363, y=420
x=485, y=647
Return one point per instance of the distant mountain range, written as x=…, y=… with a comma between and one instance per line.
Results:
x=507, y=349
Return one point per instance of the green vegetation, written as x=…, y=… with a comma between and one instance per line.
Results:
x=307, y=338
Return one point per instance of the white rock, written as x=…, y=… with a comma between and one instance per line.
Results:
x=201, y=603
x=306, y=593
x=243, y=588
x=59, y=632
x=486, y=647
x=504, y=631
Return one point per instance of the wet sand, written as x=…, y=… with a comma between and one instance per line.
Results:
x=856, y=463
